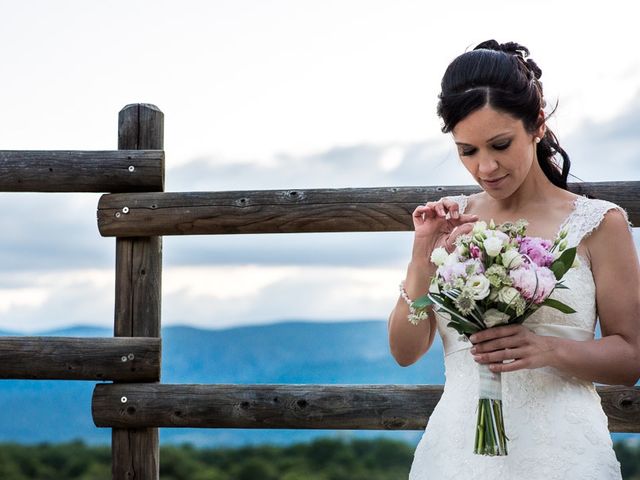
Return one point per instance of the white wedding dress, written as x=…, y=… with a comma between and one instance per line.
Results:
x=555, y=422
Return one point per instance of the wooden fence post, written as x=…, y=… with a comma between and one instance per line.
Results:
x=135, y=451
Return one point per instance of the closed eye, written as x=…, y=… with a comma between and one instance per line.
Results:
x=501, y=146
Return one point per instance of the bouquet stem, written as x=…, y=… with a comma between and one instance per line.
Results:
x=490, y=435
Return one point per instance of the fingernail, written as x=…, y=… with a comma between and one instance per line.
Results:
x=473, y=350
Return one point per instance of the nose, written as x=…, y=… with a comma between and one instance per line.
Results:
x=487, y=165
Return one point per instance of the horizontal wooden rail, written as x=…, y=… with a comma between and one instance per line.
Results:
x=297, y=211
x=81, y=171
x=365, y=407
x=80, y=358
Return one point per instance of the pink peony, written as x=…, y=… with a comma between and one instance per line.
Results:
x=525, y=279
x=537, y=249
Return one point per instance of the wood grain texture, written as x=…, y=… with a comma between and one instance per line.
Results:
x=364, y=407
x=72, y=358
x=135, y=452
x=297, y=211
x=138, y=287
x=377, y=407
x=81, y=171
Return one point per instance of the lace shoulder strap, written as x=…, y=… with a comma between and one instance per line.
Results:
x=587, y=216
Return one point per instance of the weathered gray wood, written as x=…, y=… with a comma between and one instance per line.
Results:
x=295, y=211
x=81, y=171
x=265, y=406
x=622, y=406
x=366, y=407
x=135, y=452
x=138, y=287
x=75, y=358
x=132, y=452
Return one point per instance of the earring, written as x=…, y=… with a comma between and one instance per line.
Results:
x=537, y=139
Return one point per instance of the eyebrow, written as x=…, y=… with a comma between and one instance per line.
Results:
x=488, y=141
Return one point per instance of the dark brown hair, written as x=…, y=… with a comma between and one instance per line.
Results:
x=500, y=75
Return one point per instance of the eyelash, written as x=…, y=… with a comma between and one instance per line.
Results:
x=502, y=146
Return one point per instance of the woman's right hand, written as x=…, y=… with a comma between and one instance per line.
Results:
x=432, y=226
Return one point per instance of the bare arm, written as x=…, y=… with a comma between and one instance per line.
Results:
x=613, y=359
x=409, y=342
x=436, y=224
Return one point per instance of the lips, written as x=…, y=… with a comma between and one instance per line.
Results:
x=495, y=181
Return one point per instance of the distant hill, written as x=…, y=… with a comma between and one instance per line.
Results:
x=355, y=352
x=286, y=352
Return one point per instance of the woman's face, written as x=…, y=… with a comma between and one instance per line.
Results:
x=493, y=145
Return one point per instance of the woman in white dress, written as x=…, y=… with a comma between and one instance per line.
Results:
x=492, y=103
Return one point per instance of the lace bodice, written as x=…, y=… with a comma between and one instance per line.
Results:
x=555, y=422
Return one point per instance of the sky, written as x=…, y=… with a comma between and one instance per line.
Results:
x=275, y=94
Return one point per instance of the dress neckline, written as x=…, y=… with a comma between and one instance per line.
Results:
x=576, y=202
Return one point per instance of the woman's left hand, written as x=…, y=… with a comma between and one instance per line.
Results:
x=511, y=342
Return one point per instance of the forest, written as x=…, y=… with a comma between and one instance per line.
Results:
x=320, y=459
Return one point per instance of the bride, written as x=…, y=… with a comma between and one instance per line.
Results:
x=493, y=105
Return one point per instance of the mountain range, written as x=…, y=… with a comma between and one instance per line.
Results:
x=298, y=352
x=354, y=352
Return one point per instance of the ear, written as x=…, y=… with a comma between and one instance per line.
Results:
x=542, y=128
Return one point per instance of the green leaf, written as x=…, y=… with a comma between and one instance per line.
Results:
x=422, y=302
x=563, y=263
x=561, y=286
x=550, y=302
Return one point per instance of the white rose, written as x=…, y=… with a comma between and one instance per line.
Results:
x=492, y=246
x=479, y=227
x=511, y=258
x=493, y=317
x=480, y=286
x=439, y=256
x=508, y=295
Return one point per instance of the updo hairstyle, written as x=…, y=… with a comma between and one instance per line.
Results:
x=501, y=76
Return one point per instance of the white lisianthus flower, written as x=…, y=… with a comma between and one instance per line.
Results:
x=493, y=317
x=511, y=258
x=479, y=285
x=556, y=254
x=439, y=256
x=452, y=258
x=508, y=295
x=492, y=246
x=461, y=250
x=479, y=227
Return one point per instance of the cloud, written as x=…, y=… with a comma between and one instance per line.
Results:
x=608, y=150
x=205, y=296
x=55, y=268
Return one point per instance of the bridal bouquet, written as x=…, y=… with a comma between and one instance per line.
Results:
x=495, y=276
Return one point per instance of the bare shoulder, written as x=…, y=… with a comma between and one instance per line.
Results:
x=614, y=228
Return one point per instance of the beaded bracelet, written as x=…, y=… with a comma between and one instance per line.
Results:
x=413, y=317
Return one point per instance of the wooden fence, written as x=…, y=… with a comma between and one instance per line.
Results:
x=138, y=213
